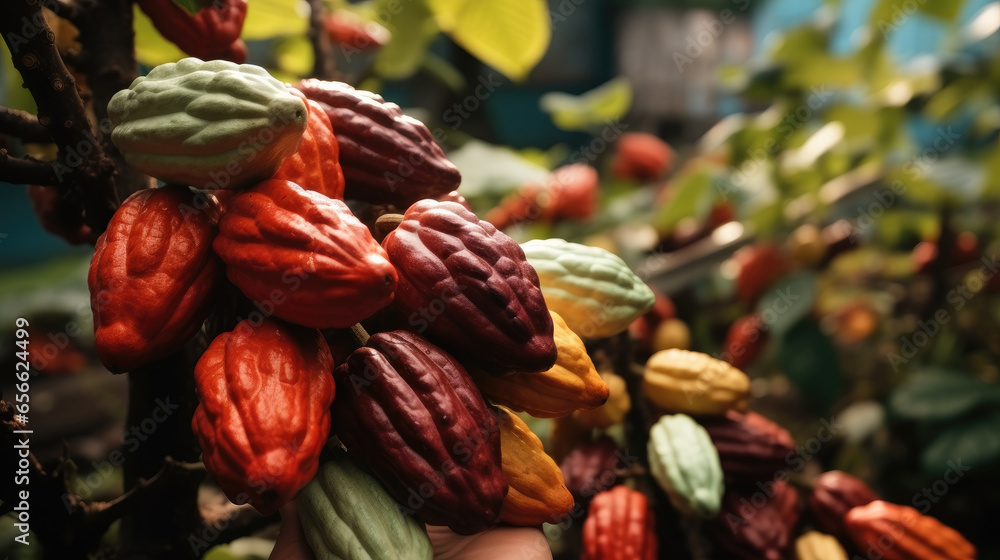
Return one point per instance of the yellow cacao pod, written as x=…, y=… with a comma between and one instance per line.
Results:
x=819, y=546
x=613, y=410
x=537, y=492
x=572, y=383
x=694, y=383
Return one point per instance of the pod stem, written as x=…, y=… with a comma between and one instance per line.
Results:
x=387, y=222
x=360, y=334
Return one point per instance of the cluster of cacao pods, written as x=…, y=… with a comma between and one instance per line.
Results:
x=253, y=209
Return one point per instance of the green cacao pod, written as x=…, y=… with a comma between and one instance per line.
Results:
x=211, y=125
x=593, y=290
x=346, y=514
x=411, y=415
x=686, y=465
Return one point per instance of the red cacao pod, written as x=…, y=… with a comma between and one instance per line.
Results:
x=642, y=156
x=410, y=414
x=153, y=275
x=745, y=341
x=757, y=526
x=590, y=468
x=759, y=266
x=469, y=287
x=751, y=447
x=60, y=215
x=619, y=526
x=265, y=410
x=315, y=166
x=353, y=33
x=303, y=257
x=210, y=33
x=833, y=495
x=643, y=328
x=387, y=157
x=895, y=532
x=570, y=193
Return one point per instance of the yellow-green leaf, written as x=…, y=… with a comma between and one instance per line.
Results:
x=607, y=102
x=412, y=28
x=294, y=55
x=267, y=19
x=511, y=36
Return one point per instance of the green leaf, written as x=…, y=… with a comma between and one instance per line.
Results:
x=689, y=191
x=511, y=36
x=412, y=29
x=970, y=445
x=267, y=19
x=787, y=301
x=809, y=360
x=151, y=48
x=938, y=396
x=608, y=102
x=294, y=55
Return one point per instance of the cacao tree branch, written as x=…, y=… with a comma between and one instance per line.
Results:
x=27, y=170
x=23, y=125
x=69, y=10
x=60, y=109
x=323, y=65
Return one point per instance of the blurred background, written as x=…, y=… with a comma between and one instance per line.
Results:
x=826, y=170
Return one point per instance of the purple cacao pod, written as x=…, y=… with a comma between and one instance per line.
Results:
x=751, y=447
x=833, y=494
x=411, y=415
x=590, y=468
x=759, y=525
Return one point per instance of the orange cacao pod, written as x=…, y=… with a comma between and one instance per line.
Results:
x=537, y=492
x=759, y=266
x=264, y=415
x=745, y=341
x=895, y=532
x=619, y=525
x=642, y=156
x=759, y=525
x=303, y=257
x=613, y=410
x=570, y=193
x=315, y=166
x=834, y=494
x=153, y=275
x=751, y=447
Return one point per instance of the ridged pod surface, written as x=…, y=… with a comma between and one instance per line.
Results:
x=264, y=416
x=571, y=384
x=211, y=125
x=153, y=276
x=613, y=410
x=819, y=546
x=347, y=515
x=467, y=287
x=315, y=165
x=751, y=447
x=305, y=255
x=411, y=415
x=619, y=526
x=685, y=464
x=694, y=383
x=751, y=530
x=537, y=493
x=592, y=289
x=387, y=156
x=834, y=494
x=896, y=532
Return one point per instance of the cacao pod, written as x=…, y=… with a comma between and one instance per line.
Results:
x=643, y=328
x=572, y=383
x=819, y=546
x=619, y=525
x=387, y=156
x=751, y=447
x=354, y=33
x=613, y=410
x=537, y=493
x=347, y=515
x=303, y=255
x=806, y=246
x=570, y=193
x=468, y=286
x=758, y=267
x=315, y=165
x=265, y=410
x=60, y=215
x=694, y=383
x=745, y=341
x=642, y=157
x=211, y=32
x=895, y=532
x=211, y=125
x=758, y=526
x=593, y=290
x=564, y=435
x=590, y=468
x=685, y=464
x=833, y=494
x=414, y=418
x=153, y=276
